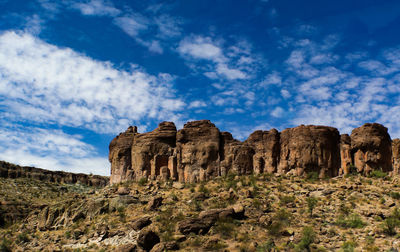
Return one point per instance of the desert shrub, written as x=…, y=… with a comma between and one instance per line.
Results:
x=23, y=237
x=349, y=246
x=312, y=176
x=266, y=246
x=174, y=197
x=203, y=189
x=307, y=238
x=378, y=174
x=392, y=222
x=311, y=204
x=5, y=245
x=167, y=221
x=142, y=181
x=281, y=219
x=284, y=200
x=351, y=221
x=121, y=213
x=226, y=227
x=395, y=195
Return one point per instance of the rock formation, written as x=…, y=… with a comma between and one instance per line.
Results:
x=371, y=148
x=200, y=151
x=311, y=148
x=120, y=156
x=345, y=154
x=267, y=149
x=8, y=170
x=396, y=156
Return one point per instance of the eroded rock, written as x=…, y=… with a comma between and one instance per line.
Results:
x=371, y=148
x=306, y=149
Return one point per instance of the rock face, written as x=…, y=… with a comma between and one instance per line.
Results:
x=307, y=149
x=153, y=153
x=396, y=156
x=8, y=170
x=120, y=156
x=200, y=151
x=371, y=148
x=345, y=154
x=267, y=149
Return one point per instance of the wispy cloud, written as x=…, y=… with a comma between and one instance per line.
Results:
x=96, y=8
x=74, y=90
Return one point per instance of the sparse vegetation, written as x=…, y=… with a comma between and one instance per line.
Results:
x=307, y=238
x=351, y=221
x=311, y=204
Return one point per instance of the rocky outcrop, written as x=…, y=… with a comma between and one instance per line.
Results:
x=8, y=170
x=396, y=156
x=200, y=151
x=153, y=153
x=120, y=156
x=306, y=149
x=371, y=148
x=267, y=148
x=345, y=154
x=237, y=157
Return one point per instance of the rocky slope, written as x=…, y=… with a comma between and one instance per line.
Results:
x=230, y=213
x=199, y=152
x=8, y=170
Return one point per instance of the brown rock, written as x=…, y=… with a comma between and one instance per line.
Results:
x=119, y=156
x=195, y=225
x=267, y=147
x=236, y=157
x=165, y=246
x=345, y=154
x=147, y=239
x=155, y=203
x=198, y=148
x=140, y=223
x=310, y=148
x=396, y=156
x=153, y=150
x=123, y=191
x=371, y=147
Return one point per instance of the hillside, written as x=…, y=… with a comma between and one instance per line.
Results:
x=231, y=213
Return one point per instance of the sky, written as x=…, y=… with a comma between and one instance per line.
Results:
x=74, y=74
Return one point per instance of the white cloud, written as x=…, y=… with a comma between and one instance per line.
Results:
x=197, y=104
x=278, y=112
x=201, y=48
x=131, y=25
x=50, y=149
x=229, y=73
x=96, y=8
x=46, y=84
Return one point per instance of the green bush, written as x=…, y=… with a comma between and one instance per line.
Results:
x=281, y=219
x=22, y=238
x=395, y=195
x=266, y=246
x=312, y=176
x=5, y=245
x=284, y=200
x=351, y=221
x=311, y=204
x=307, y=238
x=378, y=174
x=142, y=181
x=349, y=246
x=390, y=225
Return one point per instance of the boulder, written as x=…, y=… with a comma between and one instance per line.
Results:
x=120, y=156
x=147, y=239
x=140, y=223
x=198, y=148
x=371, y=148
x=267, y=147
x=396, y=156
x=155, y=203
x=153, y=150
x=165, y=246
x=306, y=149
x=345, y=154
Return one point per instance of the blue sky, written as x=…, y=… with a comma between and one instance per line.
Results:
x=73, y=74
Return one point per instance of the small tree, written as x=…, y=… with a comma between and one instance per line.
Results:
x=311, y=203
x=307, y=238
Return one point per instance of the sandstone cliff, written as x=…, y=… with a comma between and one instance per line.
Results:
x=200, y=151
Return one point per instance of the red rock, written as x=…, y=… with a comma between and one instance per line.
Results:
x=372, y=148
x=345, y=154
x=396, y=156
x=310, y=148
